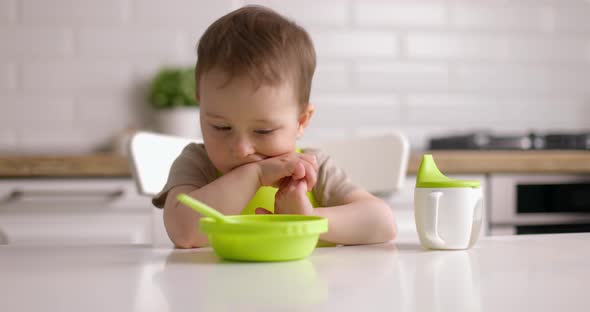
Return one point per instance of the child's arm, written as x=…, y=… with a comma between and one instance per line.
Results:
x=230, y=193
x=181, y=222
x=360, y=219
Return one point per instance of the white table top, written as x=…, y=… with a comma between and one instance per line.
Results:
x=517, y=273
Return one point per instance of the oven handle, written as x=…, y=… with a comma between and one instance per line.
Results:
x=21, y=194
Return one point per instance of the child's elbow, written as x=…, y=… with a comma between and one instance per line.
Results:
x=184, y=245
x=391, y=231
x=389, y=226
x=185, y=239
x=187, y=242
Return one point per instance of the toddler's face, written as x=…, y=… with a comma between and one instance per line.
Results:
x=241, y=124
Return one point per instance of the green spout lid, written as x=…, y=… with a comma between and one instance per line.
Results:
x=430, y=177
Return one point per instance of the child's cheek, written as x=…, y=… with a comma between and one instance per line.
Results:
x=278, y=144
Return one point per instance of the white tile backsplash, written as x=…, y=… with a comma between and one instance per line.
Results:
x=332, y=77
x=7, y=11
x=76, y=77
x=491, y=111
x=192, y=15
x=60, y=140
x=458, y=47
x=75, y=73
x=74, y=12
x=401, y=14
x=402, y=76
x=37, y=111
x=312, y=13
x=8, y=142
x=7, y=76
x=491, y=16
x=550, y=49
x=140, y=43
x=355, y=43
x=97, y=111
x=355, y=111
x=545, y=79
x=25, y=43
x=572, y=19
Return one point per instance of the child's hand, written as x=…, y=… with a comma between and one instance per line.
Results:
x=293, y=165
x=291, y=198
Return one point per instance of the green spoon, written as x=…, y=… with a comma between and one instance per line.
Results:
x=202, y=208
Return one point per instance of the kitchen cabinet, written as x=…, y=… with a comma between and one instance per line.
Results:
x=73, y=211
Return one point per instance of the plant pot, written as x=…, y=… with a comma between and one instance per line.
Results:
x=179, y=121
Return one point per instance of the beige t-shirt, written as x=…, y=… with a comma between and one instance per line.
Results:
x=193, y=167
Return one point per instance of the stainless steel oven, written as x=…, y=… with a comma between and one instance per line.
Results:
x=534, y=204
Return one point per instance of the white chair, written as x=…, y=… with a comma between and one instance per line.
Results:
x=377, y=163
x=151, y=155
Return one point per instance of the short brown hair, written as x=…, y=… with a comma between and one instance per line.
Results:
x=262, y=44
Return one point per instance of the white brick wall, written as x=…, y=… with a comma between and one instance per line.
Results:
x=403, y=14
x=73, y=73
x=75, y=77
x=26, y=43
x=7, y=76
x=74, y=13
x=41, y=111
x=7, y=11
x=334, y=14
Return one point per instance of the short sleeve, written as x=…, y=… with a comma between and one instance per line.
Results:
x=332, y=185
x=191, y=167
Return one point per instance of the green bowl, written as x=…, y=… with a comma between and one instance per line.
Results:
x=264, y=237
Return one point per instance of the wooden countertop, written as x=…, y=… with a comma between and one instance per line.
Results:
x=111, y=165
x=92, y=165
x=507, y=161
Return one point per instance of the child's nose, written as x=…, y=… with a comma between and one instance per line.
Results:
x=243, y=147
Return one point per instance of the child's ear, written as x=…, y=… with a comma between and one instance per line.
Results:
x=304, y=118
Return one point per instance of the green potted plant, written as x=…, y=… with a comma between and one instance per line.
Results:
x=172, y=96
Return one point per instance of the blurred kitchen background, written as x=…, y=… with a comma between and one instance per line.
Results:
x=74, y=74
x=75, y=77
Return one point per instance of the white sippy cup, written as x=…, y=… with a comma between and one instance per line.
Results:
x=448, y=212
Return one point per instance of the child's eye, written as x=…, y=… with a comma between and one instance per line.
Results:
x=221, y=128
x=264, y=131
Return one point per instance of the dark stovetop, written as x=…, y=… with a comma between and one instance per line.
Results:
x=486, y=140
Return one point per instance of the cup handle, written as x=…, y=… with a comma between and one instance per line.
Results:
x=477, y=216
x=478, y=213
x=432, y=231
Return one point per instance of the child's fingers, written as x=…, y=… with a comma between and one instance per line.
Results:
x=292, y=187
x=301, y=186
x=299, y=171
x=295, y=188
x=292, y=165
x=283, y=185
x=311, y=180
x=310, y=158
x=310, y=176
x=261, y=211
x=283, y=182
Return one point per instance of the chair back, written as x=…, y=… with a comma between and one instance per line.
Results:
x=376, y=163
x=151, y=156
